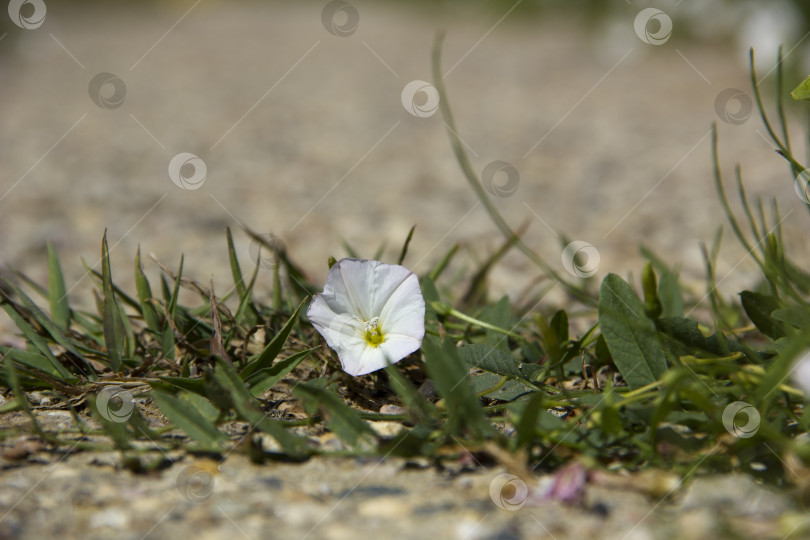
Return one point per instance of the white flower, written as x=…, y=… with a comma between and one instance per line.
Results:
x=370, y=313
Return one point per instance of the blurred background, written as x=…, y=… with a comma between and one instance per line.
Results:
x=165, y=122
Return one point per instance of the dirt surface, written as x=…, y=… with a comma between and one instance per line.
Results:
x=69, y=494
x=304, y=135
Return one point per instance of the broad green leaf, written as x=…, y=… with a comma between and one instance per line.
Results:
x=689, y=336
x=496, y=360
x=802, y=92
x=798, y=316
x=265, y=358
x=497, y=388
x=631, y=337
x=267, y=378
x=114, y=331
x=759, y=307
x=340, y=418
x=57, y=294
x=189, y=420
x=451, y=375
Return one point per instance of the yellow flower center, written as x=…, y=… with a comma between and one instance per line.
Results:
x=373, y=333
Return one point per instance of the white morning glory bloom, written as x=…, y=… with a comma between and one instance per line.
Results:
x=370, y=313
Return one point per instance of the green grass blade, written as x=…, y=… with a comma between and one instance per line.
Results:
x=57, y=294
x=176, y=291
x=114, y=330
x=248, y=408
x=340, y=418
x=36, y=340
x=475, y=183
x=238, y=280
x=404, y=251
x=419, y=408
x=188, y=419
x=150, y=315
x=437, y=270
x=265, y=358
x=47, y=324
x=267, y=378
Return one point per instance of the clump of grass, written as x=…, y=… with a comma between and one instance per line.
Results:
x=647, y=385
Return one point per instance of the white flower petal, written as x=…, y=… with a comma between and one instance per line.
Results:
x=404, y=312
x=336, y=328
x=396, y=347
x=364, y=285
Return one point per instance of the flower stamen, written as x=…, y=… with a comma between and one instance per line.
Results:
x=373, y=332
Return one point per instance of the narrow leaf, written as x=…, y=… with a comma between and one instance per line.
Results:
x=57, y=295
x=248, y=408
x=150, y=315
x=114, y=332
x=267, y=378
x=188, y=419
x=265, y=358
x=341, y=419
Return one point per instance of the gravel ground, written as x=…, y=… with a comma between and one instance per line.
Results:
x=304, y=135
x=90, y=496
